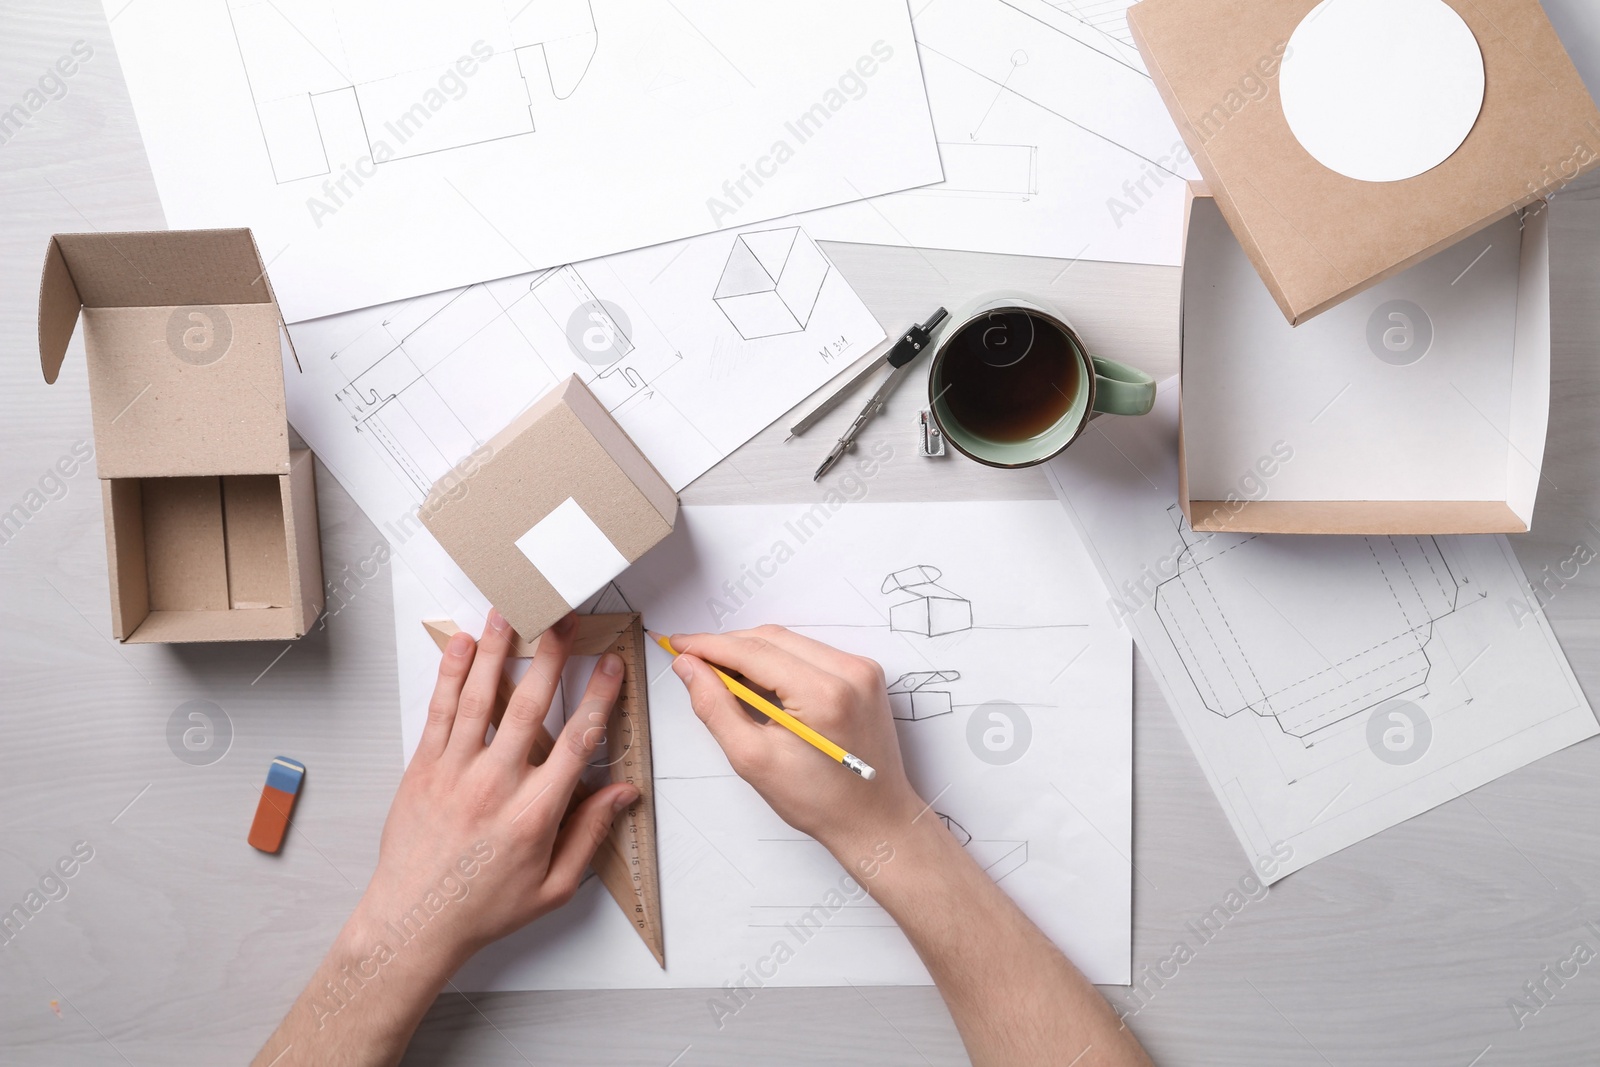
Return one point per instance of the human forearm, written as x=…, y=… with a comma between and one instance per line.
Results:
x=365, y=999
x=1014, y=997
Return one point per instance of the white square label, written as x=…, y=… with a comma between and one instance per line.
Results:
x=572, y=553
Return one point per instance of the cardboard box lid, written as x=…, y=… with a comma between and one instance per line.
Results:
x=1315, y=236
x=1312, y=430
x=184, y=344
x=563, y=484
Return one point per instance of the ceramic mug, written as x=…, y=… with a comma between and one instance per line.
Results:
x=1028, y=412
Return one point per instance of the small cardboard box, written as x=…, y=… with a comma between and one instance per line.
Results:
x=564, y=503
x=211, y=518
x=1315, y=236
x=1419, y=407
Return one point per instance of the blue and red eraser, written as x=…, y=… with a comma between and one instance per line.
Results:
x=277, y=802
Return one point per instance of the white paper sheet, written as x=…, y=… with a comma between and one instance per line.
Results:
x=393, y=398
x=1053, y=138
x=1330, y=687
x=381, y=151
x=1026, y=628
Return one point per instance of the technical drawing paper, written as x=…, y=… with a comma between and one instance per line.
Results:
x=1019, y=634
x=396, y=397
x=1053, y=138
x=381, y=151
x=1330, y=687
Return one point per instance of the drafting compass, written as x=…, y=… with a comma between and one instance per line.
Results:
x=899, y=358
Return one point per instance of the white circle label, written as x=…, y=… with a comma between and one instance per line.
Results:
x=1382, y=90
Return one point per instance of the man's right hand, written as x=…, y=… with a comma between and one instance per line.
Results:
x=840, y=696
x=1016, y=999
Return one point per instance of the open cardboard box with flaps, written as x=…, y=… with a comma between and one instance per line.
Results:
x=210, y=514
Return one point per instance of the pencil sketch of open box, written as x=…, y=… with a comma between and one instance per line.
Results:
x=918, y=695
x=931, y=610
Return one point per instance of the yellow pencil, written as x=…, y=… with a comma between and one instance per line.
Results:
x=781, y=717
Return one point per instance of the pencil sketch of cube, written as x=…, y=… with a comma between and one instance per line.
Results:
x=932, y=610
x=771, y=282
x=911, y=699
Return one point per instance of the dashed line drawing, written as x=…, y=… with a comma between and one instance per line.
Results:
x=914, y=697
x=931, y=609
x=332, y=83
x=771, y=281
x=1305, y=696
x=564, y=294
x=625, y=369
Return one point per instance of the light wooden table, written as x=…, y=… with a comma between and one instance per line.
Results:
x=177, y=944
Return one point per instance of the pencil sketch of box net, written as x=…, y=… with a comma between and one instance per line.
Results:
x=1259, y=627
x=336, y=80
x=932, y=610
x=914, y=696
x=771, y=282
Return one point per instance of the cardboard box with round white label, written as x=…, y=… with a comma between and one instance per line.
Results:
x=1346, y=141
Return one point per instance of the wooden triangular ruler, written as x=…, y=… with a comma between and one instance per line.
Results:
x=626, y=861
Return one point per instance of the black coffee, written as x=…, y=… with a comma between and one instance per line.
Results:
x=1009, y=376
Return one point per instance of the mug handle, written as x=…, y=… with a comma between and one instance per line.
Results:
x=1121, y=390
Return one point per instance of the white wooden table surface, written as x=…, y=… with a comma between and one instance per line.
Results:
x=177, y=944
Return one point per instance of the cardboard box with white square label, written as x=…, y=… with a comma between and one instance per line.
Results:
x=564, y=503
x=1418, y=407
